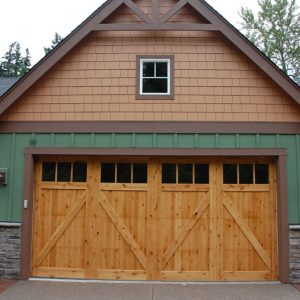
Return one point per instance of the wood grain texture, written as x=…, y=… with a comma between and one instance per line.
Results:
x=183, y=233
x=248, y=233
x=60, y=229
x=155, y=231
x=117, y=221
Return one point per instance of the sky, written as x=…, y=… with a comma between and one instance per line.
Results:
x=33, y=23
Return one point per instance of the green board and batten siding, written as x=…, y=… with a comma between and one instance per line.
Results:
x=12, y=157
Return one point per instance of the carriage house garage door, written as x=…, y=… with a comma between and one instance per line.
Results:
x=155, y=219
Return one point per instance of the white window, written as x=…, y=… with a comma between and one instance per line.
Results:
x=155, y=77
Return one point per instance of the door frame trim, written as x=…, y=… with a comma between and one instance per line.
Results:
x=31, y=153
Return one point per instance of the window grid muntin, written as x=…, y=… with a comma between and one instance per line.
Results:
x=177, y=173
x=254, y=173
x=168, y=61
x=116, y=173
x=56, y=167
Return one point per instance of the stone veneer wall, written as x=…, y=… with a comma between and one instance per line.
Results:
x=295, y=254
x=10, y=237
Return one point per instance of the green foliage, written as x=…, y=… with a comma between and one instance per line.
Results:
x=57, y=39
x=276, y=32
x=13, y=64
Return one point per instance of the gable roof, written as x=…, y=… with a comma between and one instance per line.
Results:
x=96, y=22
x=6, y=84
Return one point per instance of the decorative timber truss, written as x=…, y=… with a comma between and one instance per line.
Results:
x=155, y=21
x=151, y=22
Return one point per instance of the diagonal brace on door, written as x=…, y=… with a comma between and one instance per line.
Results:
x=121, y=227
x=248, y=233
x=195, y=216
x=61, y=229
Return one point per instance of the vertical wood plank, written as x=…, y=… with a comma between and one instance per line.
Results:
x=216, y=221
x=89, y=232
x=178, y=209
x=152, y=213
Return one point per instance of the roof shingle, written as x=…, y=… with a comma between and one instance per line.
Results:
x=6, y=83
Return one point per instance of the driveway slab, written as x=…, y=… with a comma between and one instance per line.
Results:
x=48, y=290
x=5, y=284
x=226, y=292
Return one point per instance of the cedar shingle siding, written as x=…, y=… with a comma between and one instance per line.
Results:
x=97, y=81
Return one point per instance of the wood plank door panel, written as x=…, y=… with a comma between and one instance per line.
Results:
x=58, y=230
x=249, y=231
x=122, y=250
x=121, y=244
x=202, y=230
x=184, y=234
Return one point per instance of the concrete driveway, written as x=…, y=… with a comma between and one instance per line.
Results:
x=44, y=290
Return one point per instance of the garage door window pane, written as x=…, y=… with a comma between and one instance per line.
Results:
x=139, y=173
x=124, y=172
x=261, y=174
x=79, y=171
x=168, y=173
x=64, y=171
x=107, y=172
x=230, y=174
x=48, y=172
x=202, y=173
x=185, y=173
x=246, y=174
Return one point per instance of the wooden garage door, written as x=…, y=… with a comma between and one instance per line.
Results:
x=155, y=219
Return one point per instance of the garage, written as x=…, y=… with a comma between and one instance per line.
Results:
x=155, y=218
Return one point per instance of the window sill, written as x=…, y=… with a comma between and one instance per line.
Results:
x=155, y=97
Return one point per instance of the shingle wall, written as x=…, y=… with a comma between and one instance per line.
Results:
x=213, y=80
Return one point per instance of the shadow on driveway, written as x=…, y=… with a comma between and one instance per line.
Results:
x=46, y=290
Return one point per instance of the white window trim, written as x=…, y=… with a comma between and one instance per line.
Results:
x=168, y=61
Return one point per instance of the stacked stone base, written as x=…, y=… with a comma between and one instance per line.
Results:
x=10, y=236
x=295, y=255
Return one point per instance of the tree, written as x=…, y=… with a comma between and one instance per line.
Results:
x=276, y=32
x=13, y=64
x=57, y=39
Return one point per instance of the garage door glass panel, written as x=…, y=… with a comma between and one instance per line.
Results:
x=246, y=174
x=230, y=174
x=123, y=172
x=202, y=173
x=63, y=171
x=168, y=173
x=185, y=173
x=79, y=171
x=139, y=173
x=261, y=174
x=48, y=171
x=108, y=172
